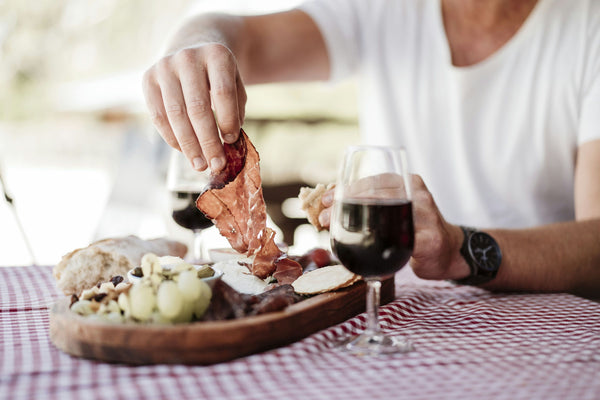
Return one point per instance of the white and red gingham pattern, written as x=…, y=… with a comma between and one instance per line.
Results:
x=470, y=344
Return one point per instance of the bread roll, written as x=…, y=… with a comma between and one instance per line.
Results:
x=84, y=268
x=311, y=202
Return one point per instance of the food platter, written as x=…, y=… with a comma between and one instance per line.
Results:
x=205, y=342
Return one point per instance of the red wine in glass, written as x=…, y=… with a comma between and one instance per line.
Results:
x=385, y=237
x=185, y=212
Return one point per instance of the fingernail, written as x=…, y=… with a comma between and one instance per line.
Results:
x=327, y=199
x=324, y=217
x=216, y=164
x=229, y=138
x=199, y=163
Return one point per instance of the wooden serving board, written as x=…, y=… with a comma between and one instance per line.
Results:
x=205, y=342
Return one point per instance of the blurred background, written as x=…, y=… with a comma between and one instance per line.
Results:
x=78, y=155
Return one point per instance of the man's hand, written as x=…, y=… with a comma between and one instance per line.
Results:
x=181, y=91
x=436, y=253
x=195, y=93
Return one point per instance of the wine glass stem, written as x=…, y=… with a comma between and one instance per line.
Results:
x=373, y=290
x=198, y=249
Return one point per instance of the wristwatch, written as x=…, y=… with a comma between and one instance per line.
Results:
x=482, y=254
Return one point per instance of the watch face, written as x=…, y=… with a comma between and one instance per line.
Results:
x=485, y=251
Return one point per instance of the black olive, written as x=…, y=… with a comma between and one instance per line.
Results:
x=116, y=280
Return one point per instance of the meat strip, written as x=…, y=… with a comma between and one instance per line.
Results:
x=234, y=202
x=227, y=303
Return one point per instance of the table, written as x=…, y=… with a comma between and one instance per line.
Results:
x=470, y=344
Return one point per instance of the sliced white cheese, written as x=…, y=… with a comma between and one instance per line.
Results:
x=239, y=277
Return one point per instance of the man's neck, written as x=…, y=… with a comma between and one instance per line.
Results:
x=490, y=12
x=477, y=28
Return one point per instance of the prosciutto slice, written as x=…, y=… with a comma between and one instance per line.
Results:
x=234, y=202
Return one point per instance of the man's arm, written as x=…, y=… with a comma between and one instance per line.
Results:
x=565, y=256
x=556, y=257
x=199, y=84
x=285, y=46
x=587, y=181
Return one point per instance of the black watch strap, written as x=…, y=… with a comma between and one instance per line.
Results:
x=477, y=276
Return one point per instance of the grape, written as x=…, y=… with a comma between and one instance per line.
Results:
x=320, y=257
x=169, y=300
x=142, y=301
x=202, y=303
x=185, y=315
x=189, y=285
x=161, y=296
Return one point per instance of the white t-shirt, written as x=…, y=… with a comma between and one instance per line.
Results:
x=494, y=142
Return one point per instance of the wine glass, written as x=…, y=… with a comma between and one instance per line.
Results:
x=372, y=232
x=185, y=185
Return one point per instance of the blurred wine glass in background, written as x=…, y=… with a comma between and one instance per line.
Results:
x=185, y=185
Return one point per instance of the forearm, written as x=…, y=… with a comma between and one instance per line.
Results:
x=557, y=257
x=210, y=28
x=285, y=46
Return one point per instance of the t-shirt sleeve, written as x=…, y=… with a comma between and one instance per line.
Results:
x=340, y=25
x=589, y=123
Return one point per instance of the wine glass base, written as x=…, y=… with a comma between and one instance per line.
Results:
x=375, y=344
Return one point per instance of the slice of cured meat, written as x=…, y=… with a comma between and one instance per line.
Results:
x=227, y=303
x=234, y=202
x=267, y=254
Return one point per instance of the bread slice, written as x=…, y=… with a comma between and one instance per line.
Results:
x=311, y=202
x=85, y=267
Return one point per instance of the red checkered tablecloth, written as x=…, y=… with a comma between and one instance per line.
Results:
x=469, y=344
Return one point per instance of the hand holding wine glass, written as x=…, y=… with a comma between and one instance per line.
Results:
x=185, y=185
x=372, y=231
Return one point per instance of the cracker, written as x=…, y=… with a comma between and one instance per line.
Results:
x=311, y=202
x=324, y=279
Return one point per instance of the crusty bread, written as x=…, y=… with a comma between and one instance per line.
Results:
x=311, y=202
x=84, y=268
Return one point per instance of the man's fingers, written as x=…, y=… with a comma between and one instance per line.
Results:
x=156, y=108
x=176, y=110
x=222, y=77
x=181, y=91
x=327, y=198
x=325, y=218
x=197, y=99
